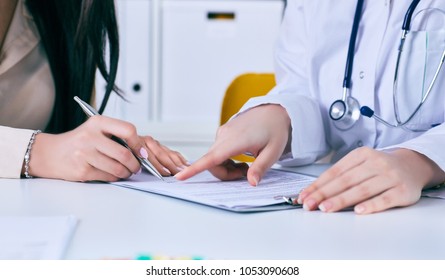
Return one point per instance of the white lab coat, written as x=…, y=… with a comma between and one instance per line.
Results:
x=310, y=64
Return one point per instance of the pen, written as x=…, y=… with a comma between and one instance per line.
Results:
x=90, y=111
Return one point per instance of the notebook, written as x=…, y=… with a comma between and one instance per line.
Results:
x=35, y=238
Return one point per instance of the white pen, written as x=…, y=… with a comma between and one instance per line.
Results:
x=90, y=111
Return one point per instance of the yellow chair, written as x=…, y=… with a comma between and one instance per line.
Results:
x=240, y=90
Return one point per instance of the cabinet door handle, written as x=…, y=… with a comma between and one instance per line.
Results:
x=137, y=87
x=221, y=16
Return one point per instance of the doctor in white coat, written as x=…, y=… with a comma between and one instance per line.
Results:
x=379, y=164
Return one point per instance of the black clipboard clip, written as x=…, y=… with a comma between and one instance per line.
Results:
x=291, y=200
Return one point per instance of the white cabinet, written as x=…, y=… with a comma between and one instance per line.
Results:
x=205, y=45
x=179, y=56
x=134, y=69
x=135, y=60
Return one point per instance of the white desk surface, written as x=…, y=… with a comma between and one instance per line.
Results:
x=122, y=223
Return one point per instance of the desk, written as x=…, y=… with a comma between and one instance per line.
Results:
x=117, y=223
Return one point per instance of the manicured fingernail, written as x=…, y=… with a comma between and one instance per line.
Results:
x=139, y=171
x=256, y=180
x=308, y=205
x=325, y=206
x=180, y=168
x=143, y=152
x=166, y=170
x=359, y=209
x=301, y=196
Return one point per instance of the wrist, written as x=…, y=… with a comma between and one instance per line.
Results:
x=424, y=167
x=39, y=160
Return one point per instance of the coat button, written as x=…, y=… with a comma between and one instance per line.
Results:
x=359, y=143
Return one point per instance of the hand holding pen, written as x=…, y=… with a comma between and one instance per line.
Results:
x=170, y=158
x=142, y=158
x=87, y=153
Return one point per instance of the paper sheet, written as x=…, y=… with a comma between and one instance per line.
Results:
x=230, y=195
x=35, y=238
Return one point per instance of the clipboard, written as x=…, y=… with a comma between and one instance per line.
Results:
x=235, y=196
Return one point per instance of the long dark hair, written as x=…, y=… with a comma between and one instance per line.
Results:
x=74, y=34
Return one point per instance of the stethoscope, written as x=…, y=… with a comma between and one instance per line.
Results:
x=346, y=112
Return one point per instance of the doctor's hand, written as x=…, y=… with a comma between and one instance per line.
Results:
x=262, y=131
x=372, y=181
x=88, y=153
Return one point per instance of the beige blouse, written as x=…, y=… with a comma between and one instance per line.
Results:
x=27, y=91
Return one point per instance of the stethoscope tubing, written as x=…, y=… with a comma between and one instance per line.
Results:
x=339, y=111
x=352, y=41
x=424, y=98
x=406, y=27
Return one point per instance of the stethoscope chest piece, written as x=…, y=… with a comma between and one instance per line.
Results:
x=345, y=114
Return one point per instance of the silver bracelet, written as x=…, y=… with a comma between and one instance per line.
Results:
x=28, y=153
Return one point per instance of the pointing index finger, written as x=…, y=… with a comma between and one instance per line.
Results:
x=207, y=161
